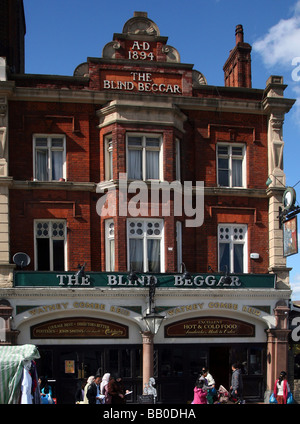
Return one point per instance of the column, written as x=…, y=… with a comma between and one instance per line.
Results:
x=277, y=346
x=6, y=269
x=147, y=356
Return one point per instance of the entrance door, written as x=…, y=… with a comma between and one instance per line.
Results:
x=219, y=365
x=75, y=366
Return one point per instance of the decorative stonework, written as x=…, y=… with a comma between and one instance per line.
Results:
x=276, y=106
x=140, y=24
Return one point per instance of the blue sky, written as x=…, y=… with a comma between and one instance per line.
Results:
x=61, y=34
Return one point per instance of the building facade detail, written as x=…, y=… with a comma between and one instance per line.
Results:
x=138, y=191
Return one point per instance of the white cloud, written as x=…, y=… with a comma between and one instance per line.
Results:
x=281, y=44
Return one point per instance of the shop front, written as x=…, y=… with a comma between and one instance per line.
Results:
x=82, y=329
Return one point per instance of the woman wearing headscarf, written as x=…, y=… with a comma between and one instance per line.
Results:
x=104, y=387
x=88, y=383
x=281, y=388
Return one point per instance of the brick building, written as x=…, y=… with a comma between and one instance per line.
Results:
x=135, y=168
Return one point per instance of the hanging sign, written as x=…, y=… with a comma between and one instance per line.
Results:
x=290, y=237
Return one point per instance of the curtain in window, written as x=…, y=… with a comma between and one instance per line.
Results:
x=42, y=165
x=237, y=173
x=224, y=257
x=136, y=254
x=223, y=172
x=135, y=164
x=57, y=165
x=152, y=165
x=153, y=247
x=238, y=258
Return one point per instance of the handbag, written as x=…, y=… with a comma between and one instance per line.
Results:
x=272, y=399
x=290, y=398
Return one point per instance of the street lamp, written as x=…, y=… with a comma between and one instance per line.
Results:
x=152, y=319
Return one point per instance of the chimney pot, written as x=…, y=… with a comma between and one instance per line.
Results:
x=239, y=34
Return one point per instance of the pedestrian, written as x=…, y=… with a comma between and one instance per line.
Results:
x=281, y=388
x=211, y=385
x=200, y=394
x=116, y=390
x=236, y=383
x=88, y=383
x=104, y=388
x=121, y=389
x=93, y=391
x=79, y=394
x=46, y=391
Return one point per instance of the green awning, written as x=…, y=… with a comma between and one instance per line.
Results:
x=12, y=359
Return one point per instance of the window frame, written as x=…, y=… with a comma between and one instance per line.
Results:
x=179, y=244
x=51, y=238
x=230, y=157
x=108, y=239
x=231, y=243
x=49, y=150
x=145, y=238
x=144, y=148
x=108, y=157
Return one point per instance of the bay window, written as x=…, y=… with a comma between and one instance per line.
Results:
x=110, y=245
x=145, y=245
x=144, y=157
x=108, y=158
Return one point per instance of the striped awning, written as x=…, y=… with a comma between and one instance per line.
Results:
x=12, y=359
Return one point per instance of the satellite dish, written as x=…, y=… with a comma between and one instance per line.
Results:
x=21, y=259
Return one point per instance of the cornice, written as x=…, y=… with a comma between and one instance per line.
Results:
x=53, y=185
x=86, y=96
x=101, y=293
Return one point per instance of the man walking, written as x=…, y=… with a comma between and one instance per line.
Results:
x=236, y=383
x=93, y=391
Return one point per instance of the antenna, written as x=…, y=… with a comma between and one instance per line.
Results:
x=21, y=259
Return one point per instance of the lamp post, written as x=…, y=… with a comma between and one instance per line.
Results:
x=153, y=322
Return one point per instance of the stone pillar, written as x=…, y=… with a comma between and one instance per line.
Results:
x=277, y=346
x=6, y=269
x=147, y=356
x=7, y=335
x=276, y=106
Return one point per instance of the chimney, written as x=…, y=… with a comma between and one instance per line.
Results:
x=237, y=69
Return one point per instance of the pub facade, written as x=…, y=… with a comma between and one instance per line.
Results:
x=133, y=190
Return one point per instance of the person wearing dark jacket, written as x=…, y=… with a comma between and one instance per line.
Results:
x=93, y=391
x=236, y=383
x=79, y=394
x=116, y=391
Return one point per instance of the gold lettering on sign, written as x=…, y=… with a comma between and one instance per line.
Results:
x=210, y=327
x=79, y=327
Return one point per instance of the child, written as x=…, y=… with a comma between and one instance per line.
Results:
x=200, y=394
